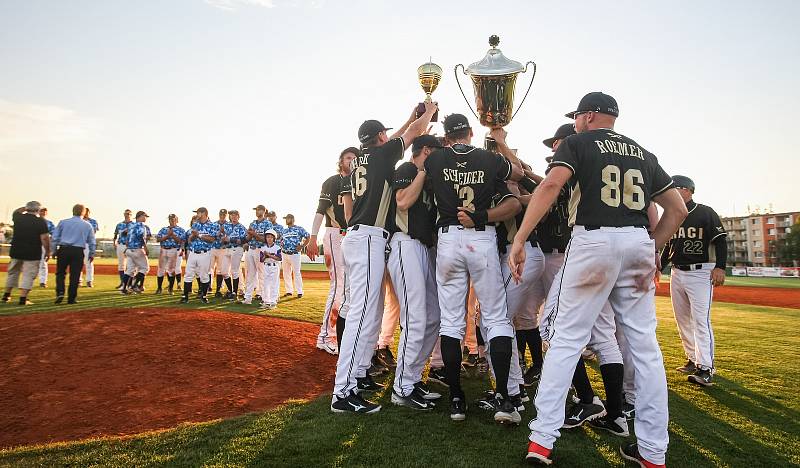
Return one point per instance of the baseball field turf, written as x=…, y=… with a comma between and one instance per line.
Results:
x=751, y=417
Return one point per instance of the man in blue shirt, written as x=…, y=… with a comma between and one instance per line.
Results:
x=120, y=239
x=198, y=245
x=237, y=239
x=71, y=237
x=171, y=239
x=89, y=264
x=43, y=270
x=293, y=241
x=136, y=252
x=219, y=251
x=253, y=263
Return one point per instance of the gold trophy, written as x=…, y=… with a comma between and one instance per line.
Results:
x=493, y=80
x=429, y=75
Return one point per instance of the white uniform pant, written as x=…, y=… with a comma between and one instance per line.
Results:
x=629, y=374
x=255, y=272
x=292, y=279
x=606, y=264
x=531, y=317
x=89, y=266
x=197, y=267
x=363, y=249
x=692, y=292
x=464, y=254
x=217, y=263
x=391, y=313
x=137, y=262
x=234, y=259
x=43, y=271
x=121, y=257
x=412, y=267
x=518, y=303
x=332, y=244
x=271, y=285
x=167, y=259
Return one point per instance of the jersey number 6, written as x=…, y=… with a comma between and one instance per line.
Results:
x=632, y=196
x=360, y=181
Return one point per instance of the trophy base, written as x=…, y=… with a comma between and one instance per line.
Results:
x=421, y=110
x=490, y=144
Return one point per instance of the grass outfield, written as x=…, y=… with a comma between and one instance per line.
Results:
x=754, y=282
x=751, y=417
x=154, y=263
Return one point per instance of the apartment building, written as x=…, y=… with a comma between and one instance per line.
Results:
x=753, y=239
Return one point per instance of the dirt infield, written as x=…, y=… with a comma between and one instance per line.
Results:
x=105, y=372
x=776, y=297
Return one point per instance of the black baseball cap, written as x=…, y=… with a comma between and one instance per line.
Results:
x=260, y=207
x=455, y=122
x=202, y=209
x=681, y=181
x=563, y=131
x=141, y=213
x=172, y=216
x=369, y=129
x=223, y=211
x=596, y=102
x=425, y=140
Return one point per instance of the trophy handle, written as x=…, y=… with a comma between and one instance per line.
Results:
x=455, y=70
x=529, y=86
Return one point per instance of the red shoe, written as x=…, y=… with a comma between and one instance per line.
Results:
x=538, y=455
x=631, y=452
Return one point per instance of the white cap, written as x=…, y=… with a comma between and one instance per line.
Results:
x=271, y=231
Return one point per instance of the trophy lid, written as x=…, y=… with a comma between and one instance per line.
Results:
x=495, y=63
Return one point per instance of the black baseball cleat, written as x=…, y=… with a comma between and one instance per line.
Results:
x=354, y=404
x=688, y=368
x=523, y=394
x=538, y=455
x=204, y=299
x=631, y=452
x=218, y=295
x=89, y=284
x=517, y=401
x=6, y=297
x=531, y=376
x=158, y=291
x=42, y=285
x=299, y=296
x=59, y=299
x=425, y=392
x=72, y=301
x=702, y=377
x=287, y=295
x=628, y=410
x=229, y=296
x=507, y=413
x=23, y=301
x=436, y=375
x=617, y=426
x=488, y=401
x=184, y=300
x=414, y=401
x=458, y=409
x=170, y=291
x=579, y=413
x=366, y=384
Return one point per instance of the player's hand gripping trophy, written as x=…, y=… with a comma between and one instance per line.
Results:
x=429, y=75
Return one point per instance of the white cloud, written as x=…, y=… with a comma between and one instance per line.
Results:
x=231, y=5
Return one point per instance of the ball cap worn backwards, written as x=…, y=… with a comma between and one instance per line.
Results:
x=596, y=102
x=369, y=130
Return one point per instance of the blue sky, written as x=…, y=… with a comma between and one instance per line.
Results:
x=166, y=106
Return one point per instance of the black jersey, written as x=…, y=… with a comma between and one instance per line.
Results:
x=330, y=200
x=613, y=178
x=420, y=218
x=553, y=230
x=465, y=176
x=371, y=179
x=691, y=244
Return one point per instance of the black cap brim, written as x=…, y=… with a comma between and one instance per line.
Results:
x=549, y=142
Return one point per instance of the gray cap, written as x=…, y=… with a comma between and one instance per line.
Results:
x=33, y=206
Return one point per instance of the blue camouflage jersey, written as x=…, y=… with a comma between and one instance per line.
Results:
x=292, y=237
x=278, y=229
x=93, y=223
x=172, y=243
x=260, y=227
x=137, y=235
x=217, y=244
x=208, y=228
x=121, y=232
x=237, y=234
x=50, y=226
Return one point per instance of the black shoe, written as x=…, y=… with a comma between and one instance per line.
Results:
x=506, y=412
x=72, y=301
x=385, y=357
x=367, y=384
x=354, y=404
x=125, y=292
x=579, y=413
x=170, y=291
x=517, y=401
x=204, y=299
x=23, y=301
x=299, y=296
x=702, y=377
x=488, y=401
x=628, y=410
x=470, y=360
x=437, y=375
x=414, y=401
x=158, y=291
x=7, y=297
x=688, y=368
x=59, y=299
x=287, y=295
x=42, y=285
x=532, y=376
x=425, y=392
x=617, y=426
x=184, y=300
x=89, y=284
x=631, y=452
x=523, y=394
x=458, y=409
x=218, y=294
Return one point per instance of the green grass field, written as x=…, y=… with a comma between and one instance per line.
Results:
x=750, y=418
x=754, y=282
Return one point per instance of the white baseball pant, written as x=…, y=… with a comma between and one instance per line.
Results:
x=255, y=272
x=137, y=262
x=692, y=293
x=292, y=278
x=412, y=267
x=89, y=266
x=197, y=267
x=391, y=313
x=235, y=260
x=614, y=265
x=332, y=244
x=167, y=259
x=121, y=258
x=363, y=249
x=629, y=374
x=216, y=264
x=464, y=254
x=43, y=270
x=271, y=285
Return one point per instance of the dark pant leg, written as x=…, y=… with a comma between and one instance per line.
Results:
x=75, y=259
x=62, y=261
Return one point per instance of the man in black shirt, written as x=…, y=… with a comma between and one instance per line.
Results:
x=470, y=194
x=370, y=202
x=30, y=235
x=696, y=269
x=331, y=209
x=610, y=258
x=412, y=267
